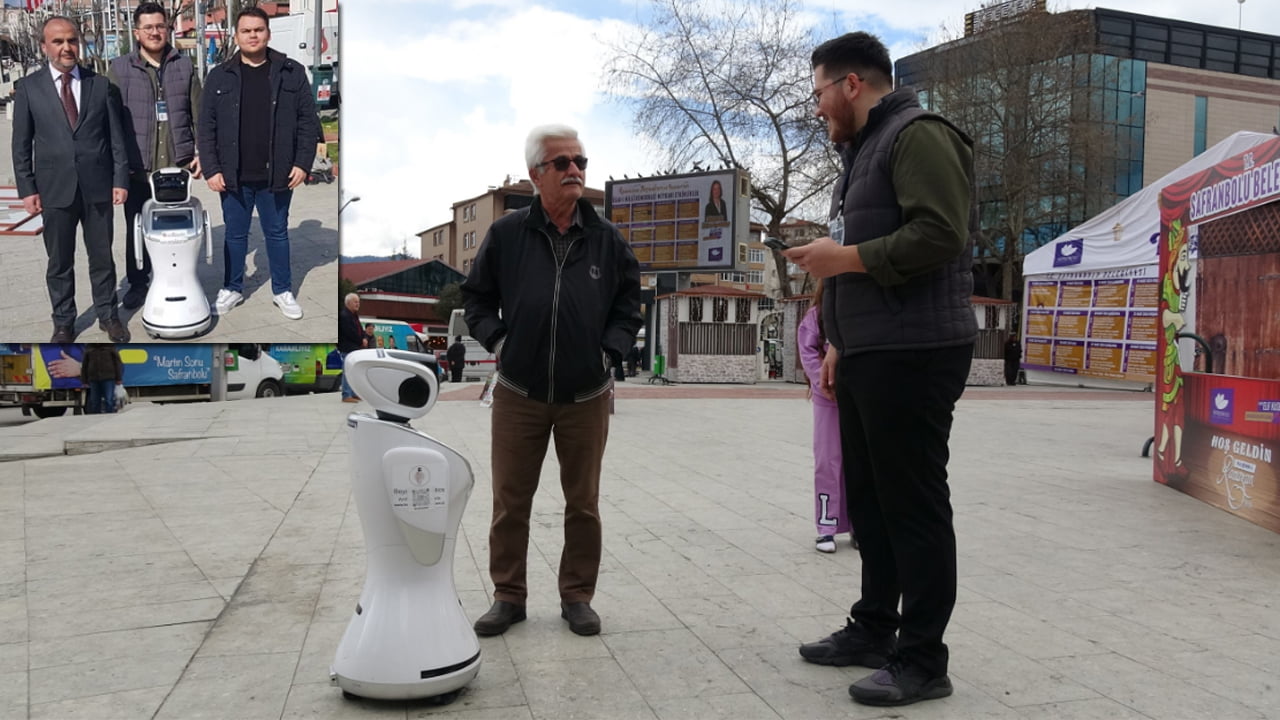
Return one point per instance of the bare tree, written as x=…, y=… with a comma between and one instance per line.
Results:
x=729, y=85
x=1045, y=157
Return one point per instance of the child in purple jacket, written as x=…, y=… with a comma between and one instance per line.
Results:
x=831, y=515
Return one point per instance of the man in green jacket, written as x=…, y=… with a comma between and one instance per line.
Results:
x=896, y=309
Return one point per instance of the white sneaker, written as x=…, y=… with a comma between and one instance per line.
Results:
x=287, y=305
x=825, y=544
x=226, y=300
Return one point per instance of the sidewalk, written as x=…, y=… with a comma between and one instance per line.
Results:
x=213, y=576
x=313, y=238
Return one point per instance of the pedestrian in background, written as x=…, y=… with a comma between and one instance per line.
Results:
x=554, y=294
x=897, y=311
x=831, y=517
x=101, y=371
x=457, y=357
x=350, y=339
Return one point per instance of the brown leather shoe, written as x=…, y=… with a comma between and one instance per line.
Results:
x=500, y=617
x=582, y=619
x=115, y=330
x=63, y=334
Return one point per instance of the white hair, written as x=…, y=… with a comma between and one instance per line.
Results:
x=535, y=146
x=350, y=296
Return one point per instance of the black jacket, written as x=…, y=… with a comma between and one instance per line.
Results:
x=293, y=121
x=457, y=353
x=557, y=323
x=350, y=334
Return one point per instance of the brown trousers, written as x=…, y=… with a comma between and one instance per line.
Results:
x=521, y=428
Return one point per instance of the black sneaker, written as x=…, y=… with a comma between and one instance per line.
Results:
x=114, y=330
x=899, y=683
x=847, y=646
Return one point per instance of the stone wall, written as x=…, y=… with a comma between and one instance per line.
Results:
x=987, y=373
x=715, y=369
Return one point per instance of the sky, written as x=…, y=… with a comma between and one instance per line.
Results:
x=439, y=95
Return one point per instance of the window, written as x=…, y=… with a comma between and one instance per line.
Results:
x=437, y=238
x=469, y=213
x=719, y=309
x=756, y=256
x=1202, y=122
x=695, y=309
x=755, y=277
x=742, y=310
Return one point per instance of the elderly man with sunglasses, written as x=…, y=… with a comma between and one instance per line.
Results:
x=555, y=295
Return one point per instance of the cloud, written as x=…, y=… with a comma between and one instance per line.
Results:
x=439, y=94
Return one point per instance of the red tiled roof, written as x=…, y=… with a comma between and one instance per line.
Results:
x=715, y=291
x=361, y=273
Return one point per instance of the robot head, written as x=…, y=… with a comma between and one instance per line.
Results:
x=396, y=382
x=171, y=186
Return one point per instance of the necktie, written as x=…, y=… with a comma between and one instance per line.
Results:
x=69, y=100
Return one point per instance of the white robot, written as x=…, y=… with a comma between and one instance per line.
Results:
x=173, y=225
x=409, y=637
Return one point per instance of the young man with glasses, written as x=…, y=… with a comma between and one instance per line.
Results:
x=555, y=295
x=160, y=90
x=257, y=139
x=896, y=311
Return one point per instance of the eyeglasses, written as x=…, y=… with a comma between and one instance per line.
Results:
x=817, y=94
x=561, y=163
x=153, y=28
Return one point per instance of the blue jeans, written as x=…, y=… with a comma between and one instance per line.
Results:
x=346, y=388
x=102, y=397
x=273, y=218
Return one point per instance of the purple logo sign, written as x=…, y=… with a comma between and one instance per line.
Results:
x=715, y=254
x=1068, y=253
x=1221, y=405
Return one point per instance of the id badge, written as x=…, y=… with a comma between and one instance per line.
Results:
x=837, y=228
x=162, y=111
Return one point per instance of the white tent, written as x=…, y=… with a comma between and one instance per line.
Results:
x=1136, y=219
x=1119, y=243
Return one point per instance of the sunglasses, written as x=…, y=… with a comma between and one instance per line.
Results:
x=562, y=163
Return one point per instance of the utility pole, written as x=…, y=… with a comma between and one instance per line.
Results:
x=201, y=41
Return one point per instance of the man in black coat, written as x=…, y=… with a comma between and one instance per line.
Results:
x=457, y=357
x=70, y=164
x=350, y=338
x=257, y=139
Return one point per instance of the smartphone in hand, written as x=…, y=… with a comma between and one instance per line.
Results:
x=776, y=244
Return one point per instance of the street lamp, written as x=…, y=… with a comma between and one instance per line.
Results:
x=354, y=198
x=1240, y=16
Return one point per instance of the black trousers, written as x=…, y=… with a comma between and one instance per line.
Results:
x=895, y=421
x=455, y=372
x=139, y=192
x=60, y=246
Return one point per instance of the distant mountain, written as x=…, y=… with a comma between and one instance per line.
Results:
x=367, y=258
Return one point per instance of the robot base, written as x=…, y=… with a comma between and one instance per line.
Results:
x=443, y=688
x=183, y=331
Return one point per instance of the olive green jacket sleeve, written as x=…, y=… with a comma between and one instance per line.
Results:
x=932, y=172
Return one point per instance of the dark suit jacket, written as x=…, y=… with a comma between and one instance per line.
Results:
x=51, y=158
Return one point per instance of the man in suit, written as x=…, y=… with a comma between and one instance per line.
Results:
x=70, y=164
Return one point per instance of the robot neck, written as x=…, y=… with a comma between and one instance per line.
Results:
x=384, y=415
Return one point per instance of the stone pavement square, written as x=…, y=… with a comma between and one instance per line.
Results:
x=313, y=243
x=212, y=575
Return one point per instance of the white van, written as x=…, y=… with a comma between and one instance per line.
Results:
x=252, y=373
x=480, y=362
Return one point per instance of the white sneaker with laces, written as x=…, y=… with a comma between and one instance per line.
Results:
x=825, y=544
x=287, y=305
x=226, y=300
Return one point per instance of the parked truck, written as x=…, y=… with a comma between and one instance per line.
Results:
x=44, y=379
x=308, y=367
x=295, y=36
